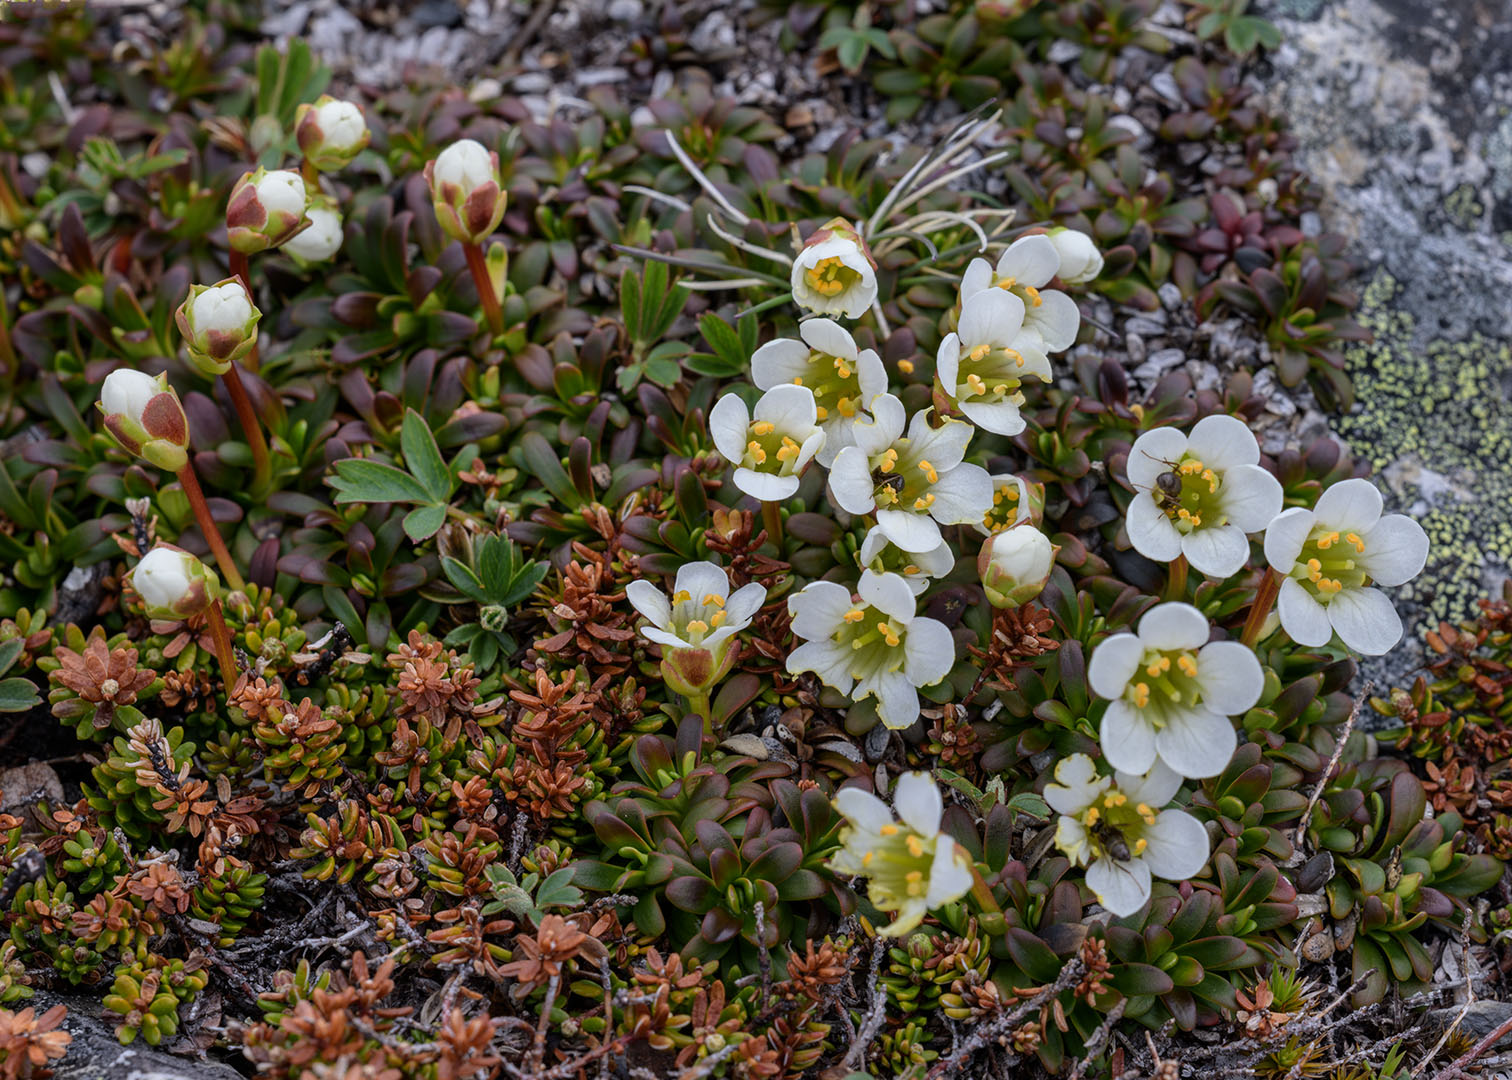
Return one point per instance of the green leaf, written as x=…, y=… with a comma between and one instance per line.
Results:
x=18, y=694
x=9, y=650
x=365, y=480
x=423, y=458
x=423, y=522
x=559, y=891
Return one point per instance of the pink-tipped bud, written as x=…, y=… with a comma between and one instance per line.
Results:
x=219, y=324
x=265, y=209
x=466, y=191
x=145, y=416
x=331, y=132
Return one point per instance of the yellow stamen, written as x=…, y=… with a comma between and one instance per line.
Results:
x=915, y=846
x=1034, y=297
x=763, y=427
x=1327, y=541
x=758, y=454
x=1314, y=569
x=975, y=382
x=1091, y=816
x=854, y=615
x=821, y=413
x=847, y=409
x=910, y=570
x=798, y=381
x=1161, y=665
x=717, y=619
x=1016, y=356
x=888, y=634
x=1187, y=664
x=906, y=366
x=1359, y=545
x=1115, y=798
x=1140, y=845
x=682, y=596
x=924, y=502
x=915, y=879
x=1146, y=813
x=1007, y=282
x=1141, y=695
x=713, y=600
x=889, y=460
x=1330, y=585
x=867, y=858
x=929, y=471
x=788, y=450
x=978, y=352
x=888, y=830
x=698, y=626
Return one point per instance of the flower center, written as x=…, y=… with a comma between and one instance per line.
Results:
x=835, y=385
x=901, y=481
x=1005, y=508
x=1115, y=826
x=1188, y=493
x=693, y=617
x=992, y=373
x=769, y=450
x=1165, y=681
x=898, y=867
x=830, y=277
x=875, y=640
x=1027, y=293
x=1329, y=563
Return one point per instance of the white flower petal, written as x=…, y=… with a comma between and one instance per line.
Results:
x=1127, y=738
x=888, y=593
x=944, y=447
x=781, y=361
x=650, y=601
x=885, y=427
x=790, y=408
x=766, y=487
x=1229, y=675
x=1122, y=888
x=897, y=700
x=1196, y=743
x=1030, y=260
x=850, y=481
x=928, y=651
x=826, y=659
x=1250, y=496
x=817, y=609
x=978, y=276
x=1365, y=621
x=917, y=800
x=1349, y=506
x=1302, y=617
x=1155, y=788
x=1285, y=536
x=729, y=424
x=743, y=604
x=1174, y=626
x=948, y=363
x=999, y=417
x=700, y=579
x=1152, y=454
x=1113, y=664
x=863, y=809
x=1221, y=442
x=1178, y=846
x=828, y=337
x=1056, y=319
x=1217, y=550
x=871, y=374
x=913, y=532
x=962, y=496
x=1150, y=531
x=991, y=317
x=665, y=638
x=949, y=875
x=1395, y=550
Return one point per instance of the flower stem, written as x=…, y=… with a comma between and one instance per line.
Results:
x=240, y=268
x=771, y=517
x=223, y=652
x=477, y=262
x=1176, y=584
x=1260, y=608
x=992, y=914
x=207, y=525
x=262, y=464
x=310, y=175
x=700, y=704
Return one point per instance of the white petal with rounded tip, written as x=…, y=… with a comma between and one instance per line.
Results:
x=947, y=363
x=828, y=337
x=978, y=276
x=829, y=661
x=1127, y=738
x=1349, y=506
x=665, y=638
x=888, y=593
x=1152, y=454
x=1395, y=550
x=128, y=391
x=871, y=374
x=1196, y=743
x=929, y=652
x=779, y=362
x=1365, y=620
x=1150, y=531
x=850, y=481
x=1217, y=550
x=320, y=241
x=998, y=417
x=1156, y=788
x=809, y=449
x=729, y=424
x=944, y=447
x=1174, y=626
x=1076, y=786
x=897, y=700
x=1030, y=260
x=917, y=802
x=910, y=531
x=963, y=496
x=700, y=579
x=1221, y=442
x=1250, y=497
x=1284, y=538
x=1113, y=664
x=744, y=603
x=1056, y=319
x=1178, y=846
x=991, y=317
x=1229, y=675
x=818, y=608
x=936, y=563
x=863, y=809
x=650, y=601
x=1122, y=888
x=766, y=487
x=1302, y=617
x=885, y=426
x=791, y=408
x=949, y=876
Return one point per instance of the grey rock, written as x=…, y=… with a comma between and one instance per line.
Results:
x=1063, y=51
x=1158, y=364
x=1150, y=325
x=1134, y=345
x=625, y=10
x=1170, y=295
x=1164, y=84
x=96, y=1054
x=1480, y=1019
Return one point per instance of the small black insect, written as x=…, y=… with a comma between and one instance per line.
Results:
x=1112, y=841
x=892, y=481
x=1167, y=489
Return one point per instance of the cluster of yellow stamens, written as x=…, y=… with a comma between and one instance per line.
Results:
x=1031, y=294
x=1197, y=501
x=1329, y=574
x=996, y=373
x=1009, y=493
x=885, y=628
x=829, y=277
x=1157, y=683
x=862, y=628
x=759, y=450
x=698, y=627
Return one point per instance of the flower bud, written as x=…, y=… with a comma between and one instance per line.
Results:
x=1015, y=564
x=1080, y=261
x=321, y=240
x=219, y=324
x=834, y=273
x=696, y=671
x=466, y=190
x=265, y=209
x=330, y=132
x=173, y=584
x=144, y=415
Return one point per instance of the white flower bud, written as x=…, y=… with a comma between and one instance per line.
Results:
x=321, y=240
x=465, y=163
x=1080, y=261
x=282, y=192
x=219, y=324
x=265, y=209
x=222, y=307
x=128, y=391
x=330, y=133
x=173, y=583
x=145, y=416
x=342, y=124
x=1015, y=564
x=465, y=191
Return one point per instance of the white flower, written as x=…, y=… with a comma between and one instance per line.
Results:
x=842, y=378
x=465, y=163
x=914, y=484
x=1012, y=504
x=264, y=210
x=1014, y=565
x=282, y=192
x=985, y=362
x=1120, y=833
x=145, y=416
x=1198, y=495
x=1024, y=270
x=771, y=445
x=702, y=612
x=1331, y=555
x=1080, y=261
x=1170, y=693
x=911, y=867
x=882, y=555
x=321, y=240
x=173, y=584
x=871, y=644
x=341, y=123
x=833, y=274
x=224, y=307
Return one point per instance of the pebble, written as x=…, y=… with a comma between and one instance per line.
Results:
x=1164, y=84
x=1151, y=324
x=1170, y=295
x=625, y=11
x=1134, y=345
x=1158, y=364
x=1063, y=51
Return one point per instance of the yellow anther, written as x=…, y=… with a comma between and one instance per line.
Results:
x=910, y=570
x=822, y=276
x=1011, y=491
x=915, y=846
x=1016, y=356
x=1141, y=695
x=1033, y=294
x=915, y=879
x=975, y=382
x=906, y=366
x=713, y=600
x=788, y=450
x=1006, y=283
x=855, y=614
x=698, y=626
x=888, y=830
x=847, y=409
x=1314, y=569
x=867, y=858
x=1140, y=845
x=1327, y=540
x=717, y=619
x=889, y=459
x=1158, y=667
x=1000, y=388
x=1330, y=585
x=1115, y=798
x=681, y=596
x=929, y=471
x=843, y=371
x=924, y=502
x=1359, y=545
x=798, y=381
x=1188, y=665
x=1091, y=816
x=821, y=413
x=755, y=449
x=1146, y=813
x=763, y=427
x=1184, y=514
x=978, y=352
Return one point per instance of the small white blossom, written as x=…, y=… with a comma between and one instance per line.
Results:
x=834, y=274
x=145, y=416
x=984, y=363
x=1198, y=495
x=917, y=568
x=1080, y=261
x=1332, y=555
x=466, y=191
x=322, y=240
x=1024, y=270
x=1116, y=829
x=1171, y=691
x=702, y=612
x=914, y=483
x=842, y=377
x=910, y=866
x=872, y=644
x=467, y=163
x=219, y=324
x=771, y=445
x=264, y=210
